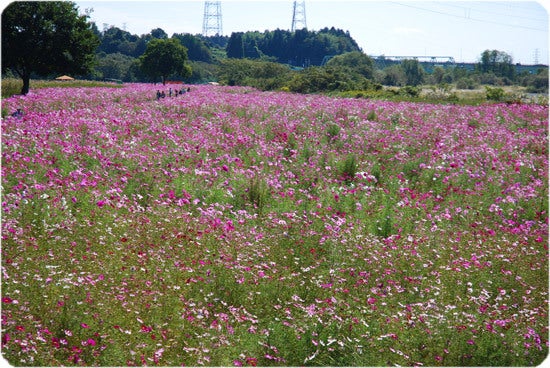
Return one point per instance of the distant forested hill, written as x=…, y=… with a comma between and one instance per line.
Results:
x=299, y=48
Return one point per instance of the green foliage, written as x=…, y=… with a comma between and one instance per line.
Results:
x=115, y=40
x=257, y=193
x=536, y=83
x=252, y=192
x=348, y=169
x=414, y=73
x=163, y=58
x=44, y=38
x=196, y=47
x=202, y=72
x=12, y=86
x=322, y=79
x=466, y=83
x=114, y=66
x=409, y=90
x=393, y=76
x=300, y=48
x=497, y=62
x=356, y=62
x=332, y=131
x=263, y=75
x=494, y=94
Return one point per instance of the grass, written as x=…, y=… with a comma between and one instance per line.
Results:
x=436, y=95
x=12, y=86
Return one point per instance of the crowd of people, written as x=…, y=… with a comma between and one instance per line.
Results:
x=171, y=93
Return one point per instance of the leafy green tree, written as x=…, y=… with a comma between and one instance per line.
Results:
x=135, y=73
x=46, y=37
x=437, y=75
x=357, y=61
x=322, y=79
x=535, y=83
x=196, y=47
x=203, y=72
x=235, y=46
x=497, y=62
x=159, y=33
x=163, y=58
x=301, y=48
x=114, y=66
x=393, y=76
x=414, y=73
x=115, y=40
x=264, y=75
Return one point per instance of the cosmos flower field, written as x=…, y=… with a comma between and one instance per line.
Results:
x=232, y=227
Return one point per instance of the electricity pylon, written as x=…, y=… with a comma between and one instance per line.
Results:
x=212, y=21
x=299, y=16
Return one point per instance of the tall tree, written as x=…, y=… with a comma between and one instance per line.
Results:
x=356, y=61
x=235, y=45
x=196, y=47
x=163, y=58
x=159, y=33
x=45, y=37
x=414, y=73
x=498, y=62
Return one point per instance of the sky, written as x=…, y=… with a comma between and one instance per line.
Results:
x=460, y=29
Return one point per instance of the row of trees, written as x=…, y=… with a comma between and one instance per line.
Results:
x=208, y=57
x=299, y=48
x=44, y=38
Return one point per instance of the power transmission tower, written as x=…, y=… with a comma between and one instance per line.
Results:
x=299, y=16
x=212, y=21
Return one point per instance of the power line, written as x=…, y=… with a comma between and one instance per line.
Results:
x=469, y=18
x=492, y=12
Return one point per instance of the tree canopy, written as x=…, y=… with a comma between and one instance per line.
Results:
x=163, y=58
x=356, y=61
x=45, y=37
x=196, y=47
x=299, y=48
x=497, y=62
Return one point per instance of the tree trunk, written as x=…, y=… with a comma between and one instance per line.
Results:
x=26, y=84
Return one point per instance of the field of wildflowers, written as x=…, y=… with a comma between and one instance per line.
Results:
x=234, y=227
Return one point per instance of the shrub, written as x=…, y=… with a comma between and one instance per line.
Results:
x=466, y=83
x=410, y=91
x=494, y=94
